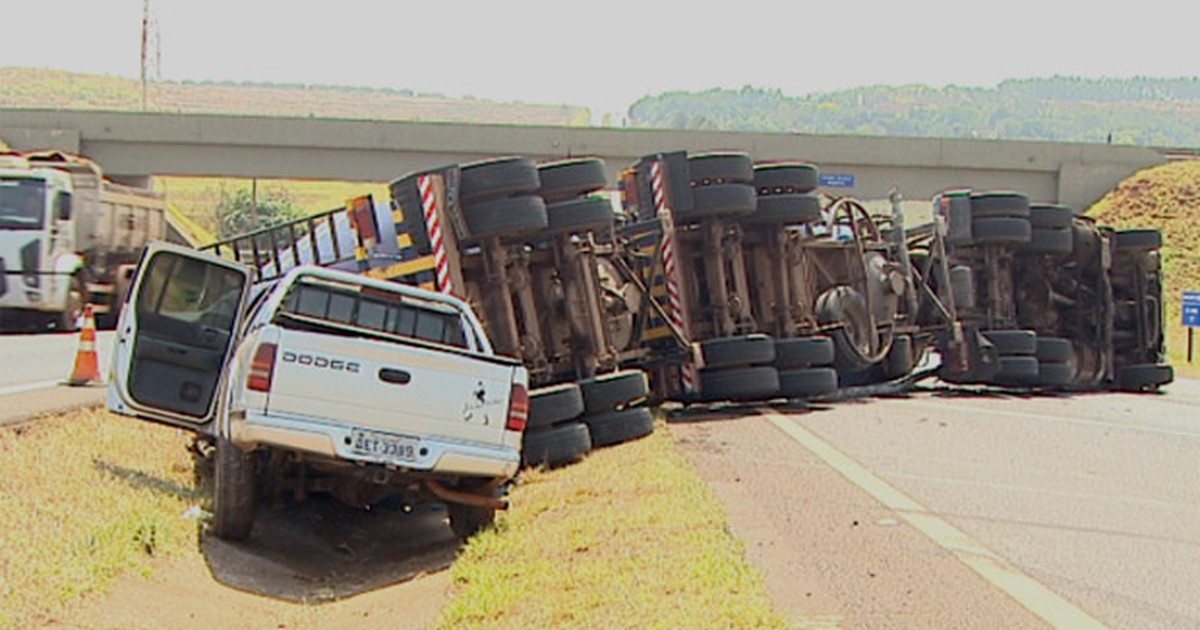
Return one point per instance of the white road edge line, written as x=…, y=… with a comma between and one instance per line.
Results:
x=29, y=387
x=1028, y=592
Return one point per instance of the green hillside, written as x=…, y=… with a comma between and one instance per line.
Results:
x=1147, y=112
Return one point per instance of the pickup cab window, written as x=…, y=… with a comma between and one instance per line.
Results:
x=316, y=302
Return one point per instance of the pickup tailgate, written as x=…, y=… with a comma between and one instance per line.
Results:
x=391, y=386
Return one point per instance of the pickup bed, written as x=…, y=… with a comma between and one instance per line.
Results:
x=320, y=381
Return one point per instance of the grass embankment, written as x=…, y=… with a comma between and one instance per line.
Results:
x=83, y=497
x=629, y=538
x=1166, y=197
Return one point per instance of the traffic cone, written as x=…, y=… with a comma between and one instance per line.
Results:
x=87, y=365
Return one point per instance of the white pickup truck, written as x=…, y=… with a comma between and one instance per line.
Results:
x=320, y=381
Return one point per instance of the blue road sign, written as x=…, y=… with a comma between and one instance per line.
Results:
x=837, y=180
x=1191, y=307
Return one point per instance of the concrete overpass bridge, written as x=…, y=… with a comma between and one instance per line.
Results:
x=132, y=145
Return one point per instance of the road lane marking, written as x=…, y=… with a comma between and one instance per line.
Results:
x=29, y=387
x=1028, y=592
x=1027, y=415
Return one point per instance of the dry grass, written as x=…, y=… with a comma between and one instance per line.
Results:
x=629, y=538
x=83, y=497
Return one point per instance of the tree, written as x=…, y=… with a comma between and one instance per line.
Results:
x=236, y=214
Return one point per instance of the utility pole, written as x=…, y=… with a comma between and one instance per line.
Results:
x=145, y=41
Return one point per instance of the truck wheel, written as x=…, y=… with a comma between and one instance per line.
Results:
x=802, y=352
x=727, y=352
x=709, y=169
x=1051, y=374
x=1054, y=350
x=789, y=209
x=1144, y=377
x=578, y=215
x=554, y=404
x=1015, y=370
x=557, y=445
x=808, y=382
x=1050, y=216
x=900, y=358
x=1050, y=241
x=739, y=384
x=510, y=216
x=615, y=427
x=1000, y=230
x=234, y=492
x=999, y=203
x=567, y=179
x=605, y=393
x=719, y=200
x=468, y=520
x=784, y=178
x=852, y=341
x=1012, y=342
x=1139, y=239
x=493, y=179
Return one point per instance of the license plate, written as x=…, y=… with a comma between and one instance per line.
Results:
x=394, y=448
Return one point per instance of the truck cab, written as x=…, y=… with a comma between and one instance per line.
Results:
x=38, y=260
x=320, y=381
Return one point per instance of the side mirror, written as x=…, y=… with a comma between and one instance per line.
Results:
x=62, y=206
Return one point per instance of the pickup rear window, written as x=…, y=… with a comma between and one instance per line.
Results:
x=351, y=307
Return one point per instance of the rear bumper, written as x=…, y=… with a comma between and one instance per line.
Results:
x=332, y=440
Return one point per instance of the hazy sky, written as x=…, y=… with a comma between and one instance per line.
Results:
x=607, y=54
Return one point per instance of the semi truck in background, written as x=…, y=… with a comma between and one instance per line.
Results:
x=68, y=237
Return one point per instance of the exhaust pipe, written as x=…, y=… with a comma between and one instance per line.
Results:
x=466, y=498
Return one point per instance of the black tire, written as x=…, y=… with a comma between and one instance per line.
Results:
x=1017, y=370
x=900, y=358
x=709, y=169
x=1053, y=374
x=1139, y=239
x=786, y=209
x=719, y=200
x=511, y=216
x=846, y=306
x=1044, y=215
x=808, y=383
x=578, y=215
x=1050, y=241
x=234, y=491
x=567, y=179
x=557, y=445
x=468, y=520
x=785, y=178
x=1013, y=342
x=1000, y=230
x=554, y=404
x=803, y=352
x=739, y=384
x=493, y=179
x=1054, y=350
x=999, y=203
x=615, y=427
x=726, y=352
x=618, y=390
x=1144, y=377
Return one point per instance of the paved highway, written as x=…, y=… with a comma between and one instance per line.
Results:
x=1079, y=511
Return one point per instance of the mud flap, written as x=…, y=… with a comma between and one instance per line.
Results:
x=975, y=360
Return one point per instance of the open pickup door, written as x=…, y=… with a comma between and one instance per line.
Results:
x=175, y=337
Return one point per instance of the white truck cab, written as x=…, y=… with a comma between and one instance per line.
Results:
x=372, y=389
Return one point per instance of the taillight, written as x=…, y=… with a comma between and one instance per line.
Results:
x=262, y=366
x=518, y=408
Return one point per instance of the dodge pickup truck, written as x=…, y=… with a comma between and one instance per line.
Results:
x=320, y=381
